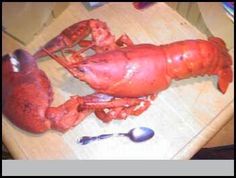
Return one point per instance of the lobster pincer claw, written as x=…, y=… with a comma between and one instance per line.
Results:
x=27, y=92
x=100, y=40
x=66, y=39
x=27, y=96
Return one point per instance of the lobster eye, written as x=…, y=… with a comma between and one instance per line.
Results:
x=81, y=69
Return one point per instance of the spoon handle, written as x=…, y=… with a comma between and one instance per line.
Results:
x=86, y=139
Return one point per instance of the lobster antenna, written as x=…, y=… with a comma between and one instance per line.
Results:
x=50, y=54
x=55, y=57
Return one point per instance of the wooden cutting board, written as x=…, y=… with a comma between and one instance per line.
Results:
x=184, y=117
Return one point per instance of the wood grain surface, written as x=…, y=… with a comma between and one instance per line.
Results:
x=184, y=117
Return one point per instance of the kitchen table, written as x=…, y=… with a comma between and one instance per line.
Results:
x=184, y=117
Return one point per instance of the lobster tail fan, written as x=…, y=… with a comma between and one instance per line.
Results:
x=217, y=41
x=225, y=78
x=225, y=72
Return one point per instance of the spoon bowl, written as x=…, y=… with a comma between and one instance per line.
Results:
x=140, y=134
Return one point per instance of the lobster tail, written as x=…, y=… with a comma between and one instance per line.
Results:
x=191, y=58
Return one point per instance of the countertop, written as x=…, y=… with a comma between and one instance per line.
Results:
x=184, y=117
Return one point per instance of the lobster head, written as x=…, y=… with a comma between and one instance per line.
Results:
x=122, y=72
x=99, y=72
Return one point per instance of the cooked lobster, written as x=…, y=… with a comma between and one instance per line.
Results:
x=125, y=76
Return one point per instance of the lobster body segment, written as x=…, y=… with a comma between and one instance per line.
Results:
x=126, y=77
x=134, y=65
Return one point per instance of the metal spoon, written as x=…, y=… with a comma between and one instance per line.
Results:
x=139, y=134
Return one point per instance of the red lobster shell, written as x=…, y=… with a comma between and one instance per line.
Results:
x=125, y=76
x=27, y=95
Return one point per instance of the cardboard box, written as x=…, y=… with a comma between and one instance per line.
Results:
x=23, y=20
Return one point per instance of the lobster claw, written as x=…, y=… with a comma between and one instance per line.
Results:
x=27, y=93
x=27, y=96
x=66, y=39
x=101, y=38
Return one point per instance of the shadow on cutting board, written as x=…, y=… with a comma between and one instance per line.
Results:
x=221, y=152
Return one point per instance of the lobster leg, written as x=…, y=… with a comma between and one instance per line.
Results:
x=97, y=101
x=77, y=108
x=138, y=109
x=116, y=108
x=121, y=113
x=110, y=115
x=102, y=40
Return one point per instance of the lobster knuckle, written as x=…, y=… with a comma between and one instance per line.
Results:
x=64, y=116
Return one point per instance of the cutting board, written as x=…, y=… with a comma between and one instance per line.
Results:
x=184, y=117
